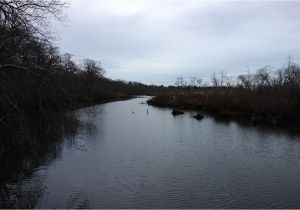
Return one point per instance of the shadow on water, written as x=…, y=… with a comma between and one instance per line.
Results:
x=22, y=152
x=290, y=129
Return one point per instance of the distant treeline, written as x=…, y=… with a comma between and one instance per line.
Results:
x=263, y=96
x=263, y=77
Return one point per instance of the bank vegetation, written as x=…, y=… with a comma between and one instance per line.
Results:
x=266, y=95
x=36, y=79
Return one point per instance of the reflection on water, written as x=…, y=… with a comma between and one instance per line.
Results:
x=21, y=155
x=290, y=129
x=129, y=155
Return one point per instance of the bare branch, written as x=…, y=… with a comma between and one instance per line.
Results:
x=32, y=15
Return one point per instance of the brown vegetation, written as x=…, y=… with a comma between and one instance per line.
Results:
x=264, y=96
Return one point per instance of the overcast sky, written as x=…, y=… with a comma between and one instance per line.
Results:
x=155, y=41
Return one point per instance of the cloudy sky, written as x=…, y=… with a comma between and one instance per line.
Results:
x=156, y=41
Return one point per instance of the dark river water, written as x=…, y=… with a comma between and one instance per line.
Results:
x=120, y=159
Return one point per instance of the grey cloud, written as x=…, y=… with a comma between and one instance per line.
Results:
x=154, y=41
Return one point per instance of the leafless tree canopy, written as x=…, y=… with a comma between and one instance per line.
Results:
x=31, y=15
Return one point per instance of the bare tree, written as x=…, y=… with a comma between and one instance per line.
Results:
x=225, y=80
x=223, y=77
x=215, y=80
x=180, y=82
x=93, y=68
x=199, y=82
x=278, y=80
x=246, y=80
x=31, y=15
x=229, y=82
x=263, y=77
x=68, y=63
x=291, y=73
x=193, y=82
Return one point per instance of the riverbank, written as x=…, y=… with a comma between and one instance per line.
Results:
x=257, y=107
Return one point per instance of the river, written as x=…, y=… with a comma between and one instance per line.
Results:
x=123, y=157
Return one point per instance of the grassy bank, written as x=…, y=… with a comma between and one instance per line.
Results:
x=261, y=97
x=258, y=107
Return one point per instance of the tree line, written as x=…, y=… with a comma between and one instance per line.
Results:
x=288, y=76
x=266, y=95
x=35, y=78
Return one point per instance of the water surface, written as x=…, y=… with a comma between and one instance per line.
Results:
x=122, y=157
